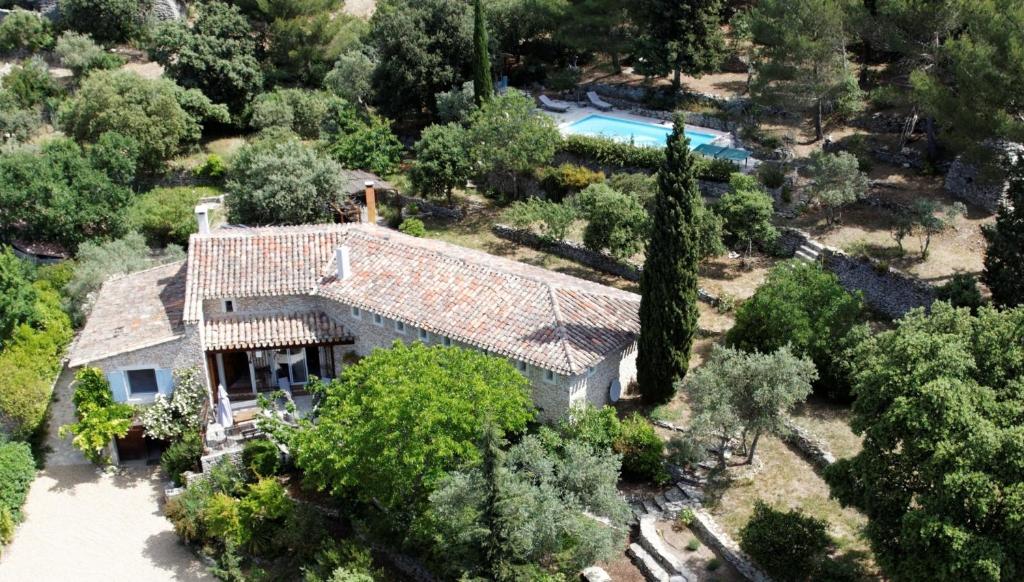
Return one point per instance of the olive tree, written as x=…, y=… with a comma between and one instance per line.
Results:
x=836, y=182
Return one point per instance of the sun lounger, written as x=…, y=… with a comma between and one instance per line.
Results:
x=553, y=105
x=596, y=101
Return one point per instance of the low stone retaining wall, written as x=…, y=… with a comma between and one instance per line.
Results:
x=425, y=206
x=809, y=445
x=569, y=250
x=713, y=536
x=596, y=574
x=886, y=291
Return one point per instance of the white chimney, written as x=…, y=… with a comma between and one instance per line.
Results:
x=342, y=262
x=203, y=219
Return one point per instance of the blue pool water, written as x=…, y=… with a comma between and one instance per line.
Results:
x=641, y=134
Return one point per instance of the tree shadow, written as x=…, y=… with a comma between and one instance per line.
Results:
x=167, y=553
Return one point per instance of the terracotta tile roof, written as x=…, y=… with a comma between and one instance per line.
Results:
x=136, y=311
x=241, y=332
x=547, y=319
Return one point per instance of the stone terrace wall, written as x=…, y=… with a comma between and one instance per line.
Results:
x=965, y=181
x=722, y=544
x=885, y=290
x=569, y=250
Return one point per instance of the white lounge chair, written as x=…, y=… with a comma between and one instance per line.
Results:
x=596, y=101
x=553, y=105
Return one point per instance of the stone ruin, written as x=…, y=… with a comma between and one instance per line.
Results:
x=969, y=182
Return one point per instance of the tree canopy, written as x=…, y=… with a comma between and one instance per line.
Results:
x=678, y=35
x=803, y=306
x=397, y=422
x=1004, y=255
x=938, y=402
x=281, y=182
x=668, y=283
x=216, y=54
x=158, y=114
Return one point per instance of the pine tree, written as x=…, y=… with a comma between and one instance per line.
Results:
x=668, y=284
x=493, y=467
x=1004, y=258
x=483, y=88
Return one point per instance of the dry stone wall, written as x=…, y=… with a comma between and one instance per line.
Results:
x=886, y=291
x=968, y=182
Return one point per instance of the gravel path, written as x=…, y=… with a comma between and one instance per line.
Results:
x=85, y=525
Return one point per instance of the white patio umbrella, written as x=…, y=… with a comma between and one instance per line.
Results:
x=224, y=415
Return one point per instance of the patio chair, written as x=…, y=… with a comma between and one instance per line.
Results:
x=553, y=105
x=596, y=101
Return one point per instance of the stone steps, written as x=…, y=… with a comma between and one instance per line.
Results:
x=648, y=566
x=650, y=540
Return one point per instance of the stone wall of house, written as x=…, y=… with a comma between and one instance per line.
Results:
x=551, y=396
x=594, y=388
x=886, y=291
x=968, y=182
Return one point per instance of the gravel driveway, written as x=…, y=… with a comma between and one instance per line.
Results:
x=84, y=525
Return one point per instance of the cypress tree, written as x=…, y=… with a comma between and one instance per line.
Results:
x=483, y=88
x=1004, y=257
x=668, y=284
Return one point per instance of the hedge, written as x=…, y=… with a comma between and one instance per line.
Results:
x=29, y=364
x=17, y=470
x=608, y=152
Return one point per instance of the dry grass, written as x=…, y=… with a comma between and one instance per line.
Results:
x=787, y=482
x=829, y=422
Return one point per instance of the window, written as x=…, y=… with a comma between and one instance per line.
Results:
x=229, y=306
x=378, y=319
x=447, y=342
x=142, y=381
x=424, y=335
x=549, y=376
x=400, y=327
x=357, y=313
x=521, y=366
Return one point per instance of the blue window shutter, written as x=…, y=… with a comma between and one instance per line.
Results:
x=164, y=381
x=117, y=386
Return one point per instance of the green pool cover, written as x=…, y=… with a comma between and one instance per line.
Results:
x=721, y=152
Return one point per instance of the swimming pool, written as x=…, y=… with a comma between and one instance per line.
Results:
x=641, y=134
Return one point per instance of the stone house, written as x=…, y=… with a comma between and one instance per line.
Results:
x=261, y=309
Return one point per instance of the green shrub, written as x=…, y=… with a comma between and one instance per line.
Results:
x=167, y=215
x=261, y=458
x=609, y=152
x=563, y=79
x=17, y=471
x=213, y=167
x=30, y=362
x=616, y=222
x=220, y=518
x=598, y=427
x=641, y=449
x=550, y=218
x=25, y=30
x=81, y=54
x=567, y=179
x=262, y=512
x=413, y=227
x=772, y=175
x=108, y=21
x=6, y=526
x=961, y=291
x=185, y=512
x=789, y=546
x=716, y=170
x=686, y=450
x=182, y=456
x=685, y=517
x=693, y=545
x=713, y=564
x=30, y=83
x=100, y=419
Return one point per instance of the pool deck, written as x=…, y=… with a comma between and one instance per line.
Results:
x=577, y=112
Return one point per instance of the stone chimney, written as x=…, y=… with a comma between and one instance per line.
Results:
x=371, y=203
x=203, y=219
x=342, y=262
